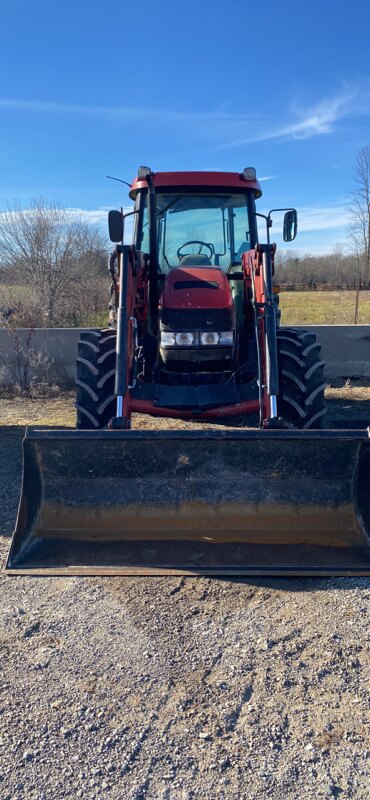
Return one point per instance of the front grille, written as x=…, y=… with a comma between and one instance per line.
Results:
x=197, y=319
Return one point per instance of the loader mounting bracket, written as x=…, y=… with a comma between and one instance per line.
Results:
x=273, y=423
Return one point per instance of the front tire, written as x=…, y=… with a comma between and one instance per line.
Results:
x=301, y=401
x=96, y=362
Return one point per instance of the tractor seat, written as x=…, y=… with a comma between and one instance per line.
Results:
x=196, y=260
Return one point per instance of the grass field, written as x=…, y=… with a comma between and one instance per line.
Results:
x=298, y=308
x=324, y=308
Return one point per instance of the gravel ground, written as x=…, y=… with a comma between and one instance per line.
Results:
x=174, y=689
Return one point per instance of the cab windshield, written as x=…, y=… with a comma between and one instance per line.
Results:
x=212, y=227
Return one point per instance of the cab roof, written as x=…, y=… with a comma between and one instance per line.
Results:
x=197, y=180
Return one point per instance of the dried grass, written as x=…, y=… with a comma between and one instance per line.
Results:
x=348, y=399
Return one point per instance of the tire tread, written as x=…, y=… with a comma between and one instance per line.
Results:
x=96, y=360
x=301, y=378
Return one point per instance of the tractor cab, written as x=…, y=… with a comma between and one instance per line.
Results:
x=195, y=228
x=203, y=226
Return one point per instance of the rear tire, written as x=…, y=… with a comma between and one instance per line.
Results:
x=301, y=401
x=96, y=361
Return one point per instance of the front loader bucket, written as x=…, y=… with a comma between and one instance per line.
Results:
x=192, y=502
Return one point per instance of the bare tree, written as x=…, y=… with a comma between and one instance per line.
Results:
x=52, y=251
x=359, y=209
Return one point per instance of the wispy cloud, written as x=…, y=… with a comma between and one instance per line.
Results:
x=320, y=228
x=227, y=129
x=93, y=216
x=122, y=113
x=326, y=247
x=318, y=218
x=320, y=118
x=312, y=122
x=306, y=122
x=99, y=216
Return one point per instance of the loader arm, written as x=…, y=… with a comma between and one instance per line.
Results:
x=126, y=323
x=258, y=271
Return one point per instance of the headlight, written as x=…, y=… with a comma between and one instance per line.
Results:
x=195, y=339
x=182, y=339
x=167, y=339
x=209, y=338
x=226, y=337
x=185, y=339
x=212, y=338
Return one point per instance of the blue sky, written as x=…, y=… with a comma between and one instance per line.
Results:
x=91, y=88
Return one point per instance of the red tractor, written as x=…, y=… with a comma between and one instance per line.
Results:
x=195, y=334
x=198, y=317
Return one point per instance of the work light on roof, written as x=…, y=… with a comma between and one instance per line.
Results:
x=143, y=173
x=249, y=174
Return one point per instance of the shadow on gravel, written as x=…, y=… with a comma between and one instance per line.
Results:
x=341, y=413
x=301, y=584
x=346, y=414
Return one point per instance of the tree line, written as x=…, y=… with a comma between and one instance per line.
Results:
x=337, y=270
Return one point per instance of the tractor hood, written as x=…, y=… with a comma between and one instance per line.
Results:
x=196, y=288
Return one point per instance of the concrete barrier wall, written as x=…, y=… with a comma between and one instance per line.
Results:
x=48, y=355
x=42, y=355
x=345, y=349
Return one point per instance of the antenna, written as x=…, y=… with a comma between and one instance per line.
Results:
x=118, y=179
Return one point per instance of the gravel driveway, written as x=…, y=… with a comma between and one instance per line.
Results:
x=174, y=689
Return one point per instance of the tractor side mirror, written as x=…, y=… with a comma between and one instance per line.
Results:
x=290, y=225
x=115, y=226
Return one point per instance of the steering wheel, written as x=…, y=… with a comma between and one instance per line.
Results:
x=196, y=241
